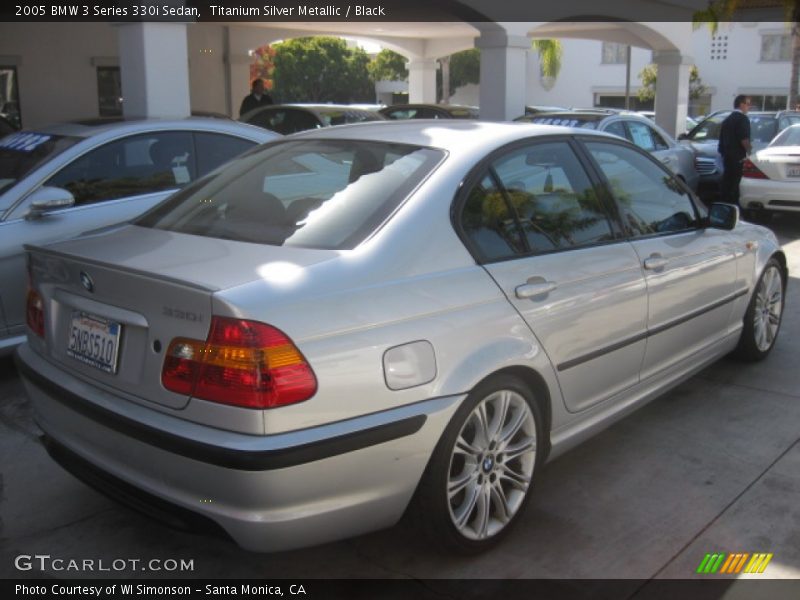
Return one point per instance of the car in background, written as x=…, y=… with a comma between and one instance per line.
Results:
x=291, y=118
x=419, y=321
x=535, y=109
x=704, y=138
x=6, y=126
x=62, y=180
x=771, y=177
x=690, y=122
x=631, y=126
x=400, y=112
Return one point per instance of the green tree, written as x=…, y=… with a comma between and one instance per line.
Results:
x=723, y=10
x=321, y=69
x=649, y=77
x=388, y=66
x=462, y=68
x=550, y=55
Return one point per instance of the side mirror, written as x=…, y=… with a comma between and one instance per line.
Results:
x=47, y=199
x=723, y=216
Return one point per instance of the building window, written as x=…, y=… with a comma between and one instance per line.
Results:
x=776, y=47
x=759, y=102
x=109, y=92
x=719, y=47
x=9, y=96
x=614, y=54
x=618, y=101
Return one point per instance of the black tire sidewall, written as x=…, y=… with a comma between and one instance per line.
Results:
x=747, y=348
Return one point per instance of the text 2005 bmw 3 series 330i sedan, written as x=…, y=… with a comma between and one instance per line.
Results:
x=351, y=323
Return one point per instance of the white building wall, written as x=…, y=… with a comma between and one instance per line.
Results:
x=207, y=81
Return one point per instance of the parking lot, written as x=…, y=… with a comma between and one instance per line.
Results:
x=713, y=466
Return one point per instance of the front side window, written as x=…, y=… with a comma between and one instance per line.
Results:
x=136, y=165
x=215, y=149
x=650, y=200
x=310, y=194
x=708, y=129
x=539, y=196
x=21, y=153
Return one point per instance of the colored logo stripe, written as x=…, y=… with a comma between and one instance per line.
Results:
x=720, y=562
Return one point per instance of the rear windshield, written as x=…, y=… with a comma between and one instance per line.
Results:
x=762, y=128
x=22, y=152
x=343, y=117
x=788, y=137
x=305, y=193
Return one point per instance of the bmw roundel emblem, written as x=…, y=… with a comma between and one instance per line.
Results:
x=87, y=282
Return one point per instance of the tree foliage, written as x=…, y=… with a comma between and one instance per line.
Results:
x=321, y=69
x=388, y=66
x=550, y=54
x=649, y=77
x=464, y=68
x=263, y=65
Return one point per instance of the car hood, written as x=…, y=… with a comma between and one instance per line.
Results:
x=202, y=262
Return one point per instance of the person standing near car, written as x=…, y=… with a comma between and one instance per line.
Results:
x=256, y=98
x=734, y=146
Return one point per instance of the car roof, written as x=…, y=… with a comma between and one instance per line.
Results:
x=91, y=127
x=453, y=135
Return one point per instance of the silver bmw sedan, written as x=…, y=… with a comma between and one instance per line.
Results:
x=354, y=322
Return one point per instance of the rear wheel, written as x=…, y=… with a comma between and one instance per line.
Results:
x=479, y=479
x=762, y=321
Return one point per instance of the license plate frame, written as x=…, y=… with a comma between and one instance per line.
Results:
x=94, y=341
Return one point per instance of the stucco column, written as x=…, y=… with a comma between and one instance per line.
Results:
x=503, y=74
x=422, y=80
x=672, y=90
x=154, y=67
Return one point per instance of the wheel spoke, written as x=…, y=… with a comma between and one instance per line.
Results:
x=500, y=502
x=509, y=432
x=465, y=447
x=518, y=480
x=464, y=511
x=482, y=513
x=457, y=484
x=483, y=425
x=522, y=447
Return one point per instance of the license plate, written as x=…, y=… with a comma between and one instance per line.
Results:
x=793, y=170
x=94, y=341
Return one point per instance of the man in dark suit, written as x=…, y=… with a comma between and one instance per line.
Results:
x=734, y=146
x=256, y=98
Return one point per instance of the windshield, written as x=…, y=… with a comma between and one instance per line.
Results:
x=788, y=137
x=311, y=194
x=762, y=128
x=585, y=122
x=22, y=152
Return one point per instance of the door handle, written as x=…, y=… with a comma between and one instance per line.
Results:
x=531, y=290
x=655, y=262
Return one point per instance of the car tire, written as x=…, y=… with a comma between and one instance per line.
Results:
x=474, y=489
x=762, y=320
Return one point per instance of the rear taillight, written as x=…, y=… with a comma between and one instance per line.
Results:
x=242, y=363
x=752, y=171
x=34, y=312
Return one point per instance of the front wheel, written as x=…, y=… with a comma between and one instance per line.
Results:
x=762, y=321
x=479, y=478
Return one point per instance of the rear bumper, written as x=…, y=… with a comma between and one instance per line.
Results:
x=269, y=493
x=769, y=194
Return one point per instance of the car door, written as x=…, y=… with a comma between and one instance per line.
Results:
x=536, y=222
x=690, y=270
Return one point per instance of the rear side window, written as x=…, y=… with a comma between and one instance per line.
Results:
x=534, y=199
x=309, y=193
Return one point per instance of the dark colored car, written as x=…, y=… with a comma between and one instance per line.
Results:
x=703, y=139
x=291, y=118
x=398, y=112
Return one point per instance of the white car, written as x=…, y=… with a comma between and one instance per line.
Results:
x=771, y=177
